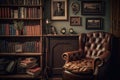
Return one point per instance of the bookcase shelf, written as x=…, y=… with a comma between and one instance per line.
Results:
x=21, y=52
x=26, y=36
x=20, y=5
x=21, y=19
x=19, y=76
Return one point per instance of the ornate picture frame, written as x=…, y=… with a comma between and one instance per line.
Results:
x=75, y=7
x=75, y=21
x=94, y=23
x=61, y=13
x=92, y=7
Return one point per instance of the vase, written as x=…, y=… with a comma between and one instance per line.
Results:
x=20, y=32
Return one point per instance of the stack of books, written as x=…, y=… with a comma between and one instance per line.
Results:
x=34, y=71
x=28, y=62
x=31, y=66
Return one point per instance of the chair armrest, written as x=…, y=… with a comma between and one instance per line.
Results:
x=105, y=56
x=98, y=62
x=72, y=55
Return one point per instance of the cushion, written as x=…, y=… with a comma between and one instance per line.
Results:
x=80, y=66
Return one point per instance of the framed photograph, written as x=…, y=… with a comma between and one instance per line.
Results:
x=75, y=7
x=92, y=7
x=18, y=48
x=75, y=21
x=59, y=10
x=94, y=23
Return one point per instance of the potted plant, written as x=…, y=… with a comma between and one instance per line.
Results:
x=18, y=25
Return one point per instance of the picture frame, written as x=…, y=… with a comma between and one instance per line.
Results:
x=94, y=23
x=59, y=14
x=92, y=7
x=75, y=7
x=75, y=21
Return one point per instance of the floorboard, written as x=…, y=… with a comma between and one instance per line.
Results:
x=55, y=79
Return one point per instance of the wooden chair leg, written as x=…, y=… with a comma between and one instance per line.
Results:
x=95, y=77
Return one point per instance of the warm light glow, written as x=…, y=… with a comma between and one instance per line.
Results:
x=47, y=21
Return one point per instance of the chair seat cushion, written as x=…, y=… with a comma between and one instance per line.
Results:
x=80, y=66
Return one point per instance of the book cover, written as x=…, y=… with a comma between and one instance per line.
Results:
x=34, y=71
x=16, y=13
x=11, y=66
x=28, y=62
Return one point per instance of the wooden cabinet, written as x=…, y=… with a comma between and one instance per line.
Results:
x=20, y=53
x=56, y=46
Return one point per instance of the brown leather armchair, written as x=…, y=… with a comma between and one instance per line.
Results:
x=92, y=58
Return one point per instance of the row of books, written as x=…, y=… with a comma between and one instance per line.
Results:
x=21, y=2
x=11, y=47
x=28, y=29
x=20, y=12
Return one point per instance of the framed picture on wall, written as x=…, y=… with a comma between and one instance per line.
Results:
x=59, y=9
x=75, y=7
x=92, y=7
x=94, y=23
x=75, y=21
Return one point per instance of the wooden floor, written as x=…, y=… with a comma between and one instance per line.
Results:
x=55, y=79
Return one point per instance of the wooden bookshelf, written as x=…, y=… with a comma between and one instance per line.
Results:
x=20, y=54
x=28, y=44
x=19, y=76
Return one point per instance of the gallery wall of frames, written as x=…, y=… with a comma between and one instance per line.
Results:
x=81, y=15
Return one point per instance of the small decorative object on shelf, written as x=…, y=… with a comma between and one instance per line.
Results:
x=63, y=30
x=18, y=48
x=71, y=31
x=53, y=30
x=18, y=25
x=48, y=22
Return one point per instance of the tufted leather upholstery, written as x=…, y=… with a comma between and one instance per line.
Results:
x=97, y=45
x=94, y=51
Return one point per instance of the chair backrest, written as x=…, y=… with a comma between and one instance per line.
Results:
x=97, y=44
